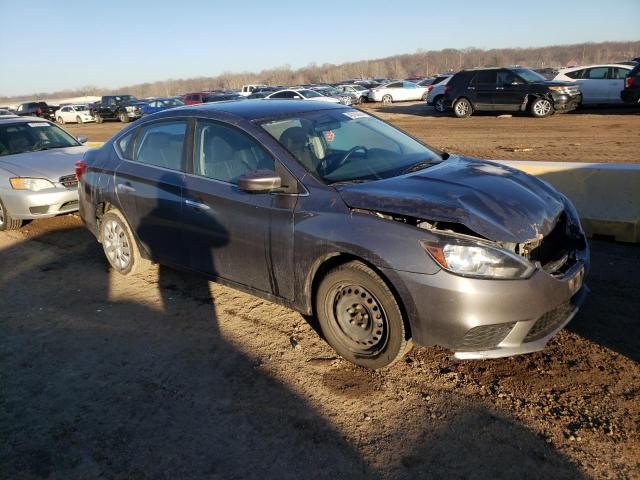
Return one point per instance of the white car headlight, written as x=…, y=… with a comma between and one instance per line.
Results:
x=33, y=184
x=130, y=108
x=477, y=259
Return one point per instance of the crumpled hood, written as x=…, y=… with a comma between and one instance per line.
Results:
x=495, y=201
x=50, y=164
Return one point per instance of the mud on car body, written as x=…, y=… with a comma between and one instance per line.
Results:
x=333, y=212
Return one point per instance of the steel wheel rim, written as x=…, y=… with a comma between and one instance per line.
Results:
x=462, y=108
x=1, y=215
x=116, y=244
x=386, y=99
x=359, y=320
x=542, y=107
x=79, y=120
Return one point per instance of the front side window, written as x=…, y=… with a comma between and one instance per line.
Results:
x=225, y=153
x=394, y=85
x=33, y=137
x=161, y=144
x=349, y=146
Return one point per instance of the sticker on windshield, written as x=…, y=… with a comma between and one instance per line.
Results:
x=329, y=135
x=354, y=115
x=39, y=124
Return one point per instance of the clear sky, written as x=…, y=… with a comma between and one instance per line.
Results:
x=48, y=45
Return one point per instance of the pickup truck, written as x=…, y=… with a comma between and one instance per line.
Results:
x=36, y=109
x=117, y=107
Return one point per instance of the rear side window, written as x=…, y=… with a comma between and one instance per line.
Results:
x=619, y=73
x=225, y=153
x=123, y=145
x=161, y=144
x=597, y=73
x=575, y=74
x=486, y=76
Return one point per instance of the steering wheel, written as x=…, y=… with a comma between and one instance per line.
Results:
x=347, y=155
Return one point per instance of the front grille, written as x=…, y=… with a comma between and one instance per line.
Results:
x=484, y=337
x=69, y=181
x=548, y=322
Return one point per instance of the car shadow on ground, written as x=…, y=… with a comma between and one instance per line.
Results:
x=105, y=377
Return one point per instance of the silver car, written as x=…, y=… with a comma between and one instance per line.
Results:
x=37, y=170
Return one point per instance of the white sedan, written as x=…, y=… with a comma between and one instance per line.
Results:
x=599, y=84
x=74, y=113
x=301, y=94
x=398, y=92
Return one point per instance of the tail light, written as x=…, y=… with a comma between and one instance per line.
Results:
x=447, y=89
x=81, y=167
x=628, y=82
x=429, y=88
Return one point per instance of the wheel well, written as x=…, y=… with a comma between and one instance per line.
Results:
x=334, y=260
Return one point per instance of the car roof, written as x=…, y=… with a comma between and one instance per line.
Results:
x=260, y=108
x=18, y=119
x=622, y=65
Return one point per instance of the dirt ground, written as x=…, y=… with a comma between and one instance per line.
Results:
x=166, y=375
x=594, y=135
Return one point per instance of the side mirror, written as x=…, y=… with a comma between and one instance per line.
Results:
x=259, y=181
x=82, y=138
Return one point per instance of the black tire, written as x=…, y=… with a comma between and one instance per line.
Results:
x=387, y=98
x=6, y=221
x=462, y=108
x=120, y=246
x=360, y=318
x=99, y=118
x=123, y=117
x=541, y=107
x=438, y=104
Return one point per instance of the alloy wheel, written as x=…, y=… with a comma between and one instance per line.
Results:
x=542, y=107
x=116, y=244
x=462, y=108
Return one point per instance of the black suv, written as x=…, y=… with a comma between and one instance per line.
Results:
x=509, y=89
x=631, y=92
x=36, y=109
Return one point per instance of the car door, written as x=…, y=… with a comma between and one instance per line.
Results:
x=149, y=188
x=481, y=89
x=509, y=92
x=245, y=238
x=68, y=114
x=616, y=83
x=410, y=91
x=594, y=85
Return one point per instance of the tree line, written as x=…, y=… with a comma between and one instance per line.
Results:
x=422, y=63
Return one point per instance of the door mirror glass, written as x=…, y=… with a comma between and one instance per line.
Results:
x=259, y=181
x=82, y=138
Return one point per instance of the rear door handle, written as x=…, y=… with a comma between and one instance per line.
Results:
x=471, y=88
x=197, y=205
x=122, y=187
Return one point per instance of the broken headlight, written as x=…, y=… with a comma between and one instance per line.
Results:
x=472, y=258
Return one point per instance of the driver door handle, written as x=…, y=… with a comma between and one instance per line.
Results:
x=197, y=205
x=499, y=88
x=122, y=187
x=471, y=88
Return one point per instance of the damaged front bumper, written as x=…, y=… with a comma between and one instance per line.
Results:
x=484, y=318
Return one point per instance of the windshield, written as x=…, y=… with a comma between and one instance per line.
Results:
x=33, y=137
x=529, y=75
x=345, y=145
x=309, y=93
x=80, y=108
x=360, y=88
x=125, y=98
x=172, y=102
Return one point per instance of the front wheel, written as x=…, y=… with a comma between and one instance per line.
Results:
x=360, y=317
x=120, y=246
x=541, y=107
x=61, y=120
x=123, y=117
x=78, y=119
x=462, y=108
x=6, y=222
x=387, y=99
x=99, y=118
x=438, y=104
x=424, y=97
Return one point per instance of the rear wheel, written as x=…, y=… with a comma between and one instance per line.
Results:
x=462, y=108
x=387, y=99
x=438, y=104
x=6, y=222
x=541, y=107
x=360, y=318
x=120, y=246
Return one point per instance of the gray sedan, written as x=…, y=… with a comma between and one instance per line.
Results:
x=37, y=170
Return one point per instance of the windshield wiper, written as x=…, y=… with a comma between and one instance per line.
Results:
x=349, y=182
x=420, y=166
x=48, y=147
